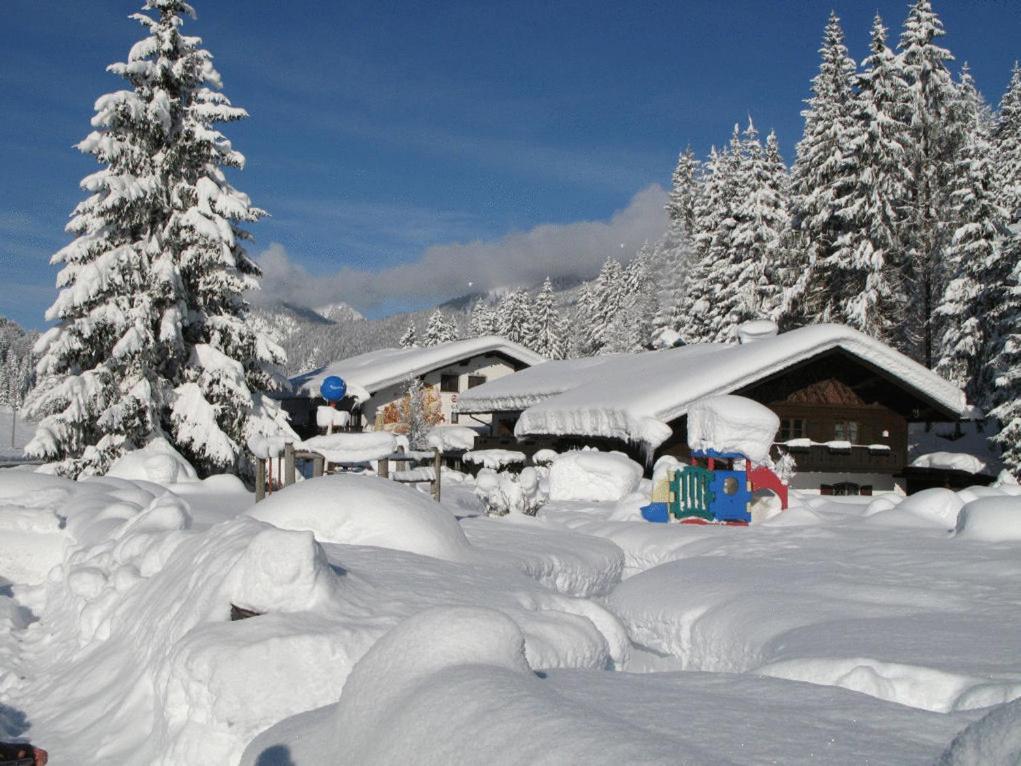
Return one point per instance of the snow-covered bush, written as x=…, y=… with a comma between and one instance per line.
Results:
x=993, y=519
x=504, y=492
x=595, y=476
x=366, y=510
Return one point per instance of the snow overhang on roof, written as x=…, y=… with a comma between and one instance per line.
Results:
x=376, y=370
x=633, y=397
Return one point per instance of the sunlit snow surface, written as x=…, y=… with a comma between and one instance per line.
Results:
x=836, y=633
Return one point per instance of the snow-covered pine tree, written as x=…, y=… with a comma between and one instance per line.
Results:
x=1005, y=393
x=869, y=257
x=514, y=317
x=482, y=321
x=151, y=336
x=1008, y=143
x=441, y=329
x=547, y=327
x=581, y=332
x=761, y=215
x=692, y=319
x=935, y=139
x=671, y=259
x=684, y=190
x=820, y=177
x=609, y=297
x=977, y=274
x=410, y=337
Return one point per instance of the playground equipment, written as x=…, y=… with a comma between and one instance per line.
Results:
x=717, y=488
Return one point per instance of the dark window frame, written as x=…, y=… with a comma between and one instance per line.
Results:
x=476, y=380
x=445, y=384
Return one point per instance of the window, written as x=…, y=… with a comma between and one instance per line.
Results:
x=476, y=380
x=793, y=428
x=450, y=383
x=454, y=418
x=845, y=431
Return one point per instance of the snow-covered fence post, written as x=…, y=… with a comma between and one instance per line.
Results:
x=437, y=466
x=260, y=479
x=318, y=466
x=383, y=468
x=288, y=464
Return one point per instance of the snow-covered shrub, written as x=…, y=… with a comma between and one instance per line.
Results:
x=595, y=476
x=366, y=510
x=993, y=519
x=504, y=492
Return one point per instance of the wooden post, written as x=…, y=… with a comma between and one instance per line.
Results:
x=260, y=479
x=383, y=467
x=318, y=466
x=288, y=464
x=437, y=465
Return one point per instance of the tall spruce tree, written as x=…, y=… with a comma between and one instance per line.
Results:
x=152, y=336
x=547, y=336
x=441, y=329
x=820, y=177
x=1005, y=393
x=482, y=320
x=1008, y=143
x=978, y=274
x=935, y=141
x=410, y=337
x=869, y=257
x=514, y=316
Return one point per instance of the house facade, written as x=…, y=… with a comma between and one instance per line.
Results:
x=844, y=400
x=378, y=380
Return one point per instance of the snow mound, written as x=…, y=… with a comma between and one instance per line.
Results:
x=732, y=424
x=993, y=739
x=366, y=510
x=757, y=329
x=157, y=462
x=950, y=461
x=452, y=438
x=428, y=693
x=354, y=447
x=593, y=476
x=937, y=505
x=991, y=519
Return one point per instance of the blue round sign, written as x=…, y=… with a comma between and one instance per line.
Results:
x=333, y=388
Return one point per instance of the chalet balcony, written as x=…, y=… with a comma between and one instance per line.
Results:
x=837, y=456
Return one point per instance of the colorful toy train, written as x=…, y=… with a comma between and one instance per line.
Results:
x=717, y=488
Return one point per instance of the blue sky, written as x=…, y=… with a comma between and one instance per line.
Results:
x=392, y=140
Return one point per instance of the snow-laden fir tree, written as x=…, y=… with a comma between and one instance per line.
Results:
x=868, y=259
x=547, y=338
x=410, y=337
x=609, y=293
x=581, y=332
x=684, y=190
x=671, y=258
x=974, y=295
x=762, y=220
x=1005, y=393
x=935, y=139
x=514, y=316
x=1008, y=143
x=151, y=336
x=819, y=177
x=441, y=329
x=482, y=321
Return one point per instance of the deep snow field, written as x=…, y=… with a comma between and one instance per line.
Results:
x=392, y=629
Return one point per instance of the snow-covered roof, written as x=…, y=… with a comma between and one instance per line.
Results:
x=634, y=396
x=376, y=370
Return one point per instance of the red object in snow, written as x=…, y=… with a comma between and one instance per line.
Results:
x=763, y=478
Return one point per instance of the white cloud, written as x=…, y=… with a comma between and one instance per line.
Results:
x=445, y=271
